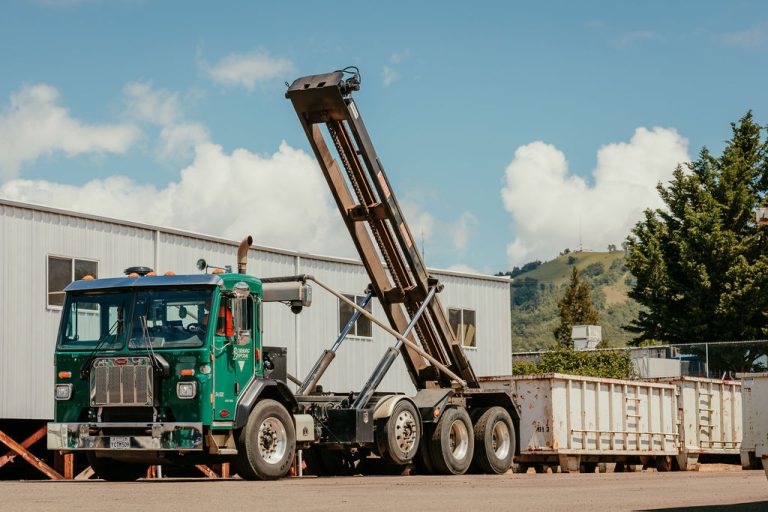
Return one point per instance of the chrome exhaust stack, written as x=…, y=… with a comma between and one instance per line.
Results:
x=242, y=254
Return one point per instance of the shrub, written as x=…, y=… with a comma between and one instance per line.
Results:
x=602, y=363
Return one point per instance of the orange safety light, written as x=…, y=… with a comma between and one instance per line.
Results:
x=87, y=278
x=218, y=271
x=151, y=273
x=133, y=274
x=187, y=372
x=64, y=374
x=170, y=273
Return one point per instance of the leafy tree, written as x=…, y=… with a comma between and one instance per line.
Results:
x=701, y=262
x=575, y=308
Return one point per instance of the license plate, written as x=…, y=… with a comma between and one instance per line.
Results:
x=119, y=443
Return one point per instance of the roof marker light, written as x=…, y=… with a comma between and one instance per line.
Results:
x=187, y=372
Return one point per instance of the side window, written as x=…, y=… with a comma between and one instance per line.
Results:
x=464, y=326
x=362, y=327
x=224, y=322
x=62, y=271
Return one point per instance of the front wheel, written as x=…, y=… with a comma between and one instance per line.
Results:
x=267, y=443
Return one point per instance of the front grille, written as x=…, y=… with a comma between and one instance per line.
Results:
x=121, y=381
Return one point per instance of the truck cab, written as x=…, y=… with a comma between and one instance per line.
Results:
x=167, y=369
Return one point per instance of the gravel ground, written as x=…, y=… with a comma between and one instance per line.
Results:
x=706, y=491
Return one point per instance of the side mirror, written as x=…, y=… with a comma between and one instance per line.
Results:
x=240, y=313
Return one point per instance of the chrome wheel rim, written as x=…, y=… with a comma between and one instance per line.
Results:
x=273, y=440
x=458, y=439
x=406, y=430
x=500, y=440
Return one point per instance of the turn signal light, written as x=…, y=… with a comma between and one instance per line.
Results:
x=187, y=372
x=64, y=375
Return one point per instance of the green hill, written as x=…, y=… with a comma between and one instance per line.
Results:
x=535, y=294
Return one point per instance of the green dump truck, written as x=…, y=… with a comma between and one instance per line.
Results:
x=171, y=370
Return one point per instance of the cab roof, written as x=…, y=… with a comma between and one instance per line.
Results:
x=145, y=282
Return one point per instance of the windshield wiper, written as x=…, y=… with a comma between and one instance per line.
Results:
x=85, y=368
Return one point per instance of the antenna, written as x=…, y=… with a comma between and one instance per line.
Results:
x=581, y=246
x=423, y=250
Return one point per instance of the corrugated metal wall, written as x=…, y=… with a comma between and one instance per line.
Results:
x=28, y=234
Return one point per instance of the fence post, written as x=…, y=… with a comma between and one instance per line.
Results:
x=706, y=360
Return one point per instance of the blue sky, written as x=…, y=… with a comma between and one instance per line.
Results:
x=463, y=100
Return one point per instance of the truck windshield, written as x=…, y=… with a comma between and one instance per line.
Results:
x=90, y=319
x=170, y=318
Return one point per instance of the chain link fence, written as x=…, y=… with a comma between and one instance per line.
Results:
x=716, y=359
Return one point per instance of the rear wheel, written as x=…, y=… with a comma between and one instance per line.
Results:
x=423, y=460
x=452, y=444
x=267, y=443
x=116, y=471
x=494, y=441
x=398, y=437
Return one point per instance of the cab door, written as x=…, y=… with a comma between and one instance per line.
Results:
x=233, y=353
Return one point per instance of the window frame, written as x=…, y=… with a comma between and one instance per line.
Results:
x=72, y=260
x=461, y=323
x=354, y=334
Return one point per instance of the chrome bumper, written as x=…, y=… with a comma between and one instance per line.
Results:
x=126, y=436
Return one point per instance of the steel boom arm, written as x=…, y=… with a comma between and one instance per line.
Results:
x=399, y=278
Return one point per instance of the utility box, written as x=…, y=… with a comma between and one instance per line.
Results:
x=586, y=337
x=656, y=367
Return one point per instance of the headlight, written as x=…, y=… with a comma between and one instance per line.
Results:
x=63, y=391
x=186, y=390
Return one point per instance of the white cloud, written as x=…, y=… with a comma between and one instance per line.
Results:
x=399, y=57
x=390, y=75
x=34, y=124
x=462, y=231
x=278, y=199
x=748, y=38
x=632, y=38
x=163, y=108
x=247, y=70
x=547, y=203
x=446, y=237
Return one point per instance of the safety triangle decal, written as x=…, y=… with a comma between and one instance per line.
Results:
x=242, y=364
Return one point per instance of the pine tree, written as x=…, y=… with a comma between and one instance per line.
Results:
x=701, y=262
x=575, y=308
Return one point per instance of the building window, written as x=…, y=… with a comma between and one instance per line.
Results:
x=62, y=271
x=362, y=327
x=463, y=325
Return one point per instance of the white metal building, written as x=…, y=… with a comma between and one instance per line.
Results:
x=42, y=249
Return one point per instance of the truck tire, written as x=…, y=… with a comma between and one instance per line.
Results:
x=267, y=443
x=398, y=436
x=116, y=471
x=494, y=441
x=423, y=459
x=452, y=443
